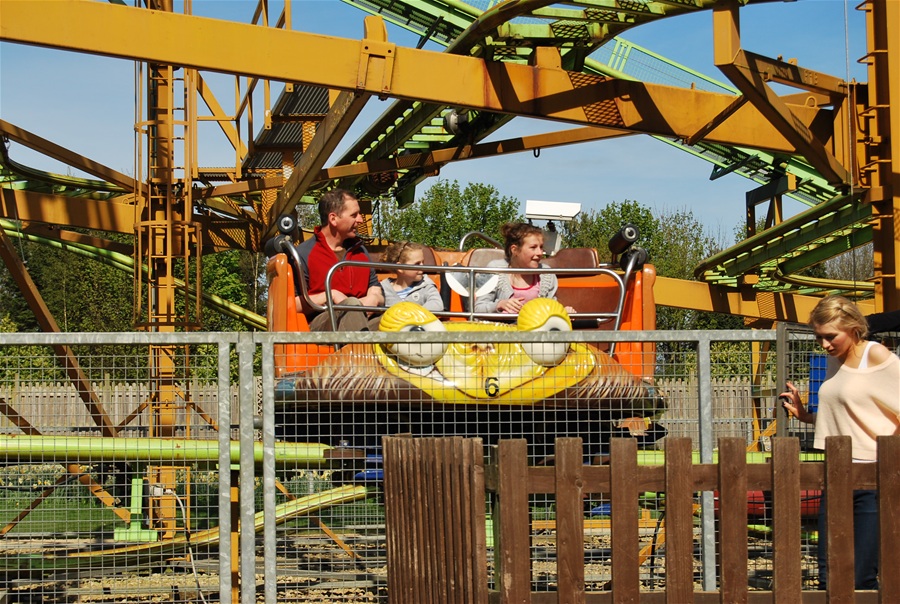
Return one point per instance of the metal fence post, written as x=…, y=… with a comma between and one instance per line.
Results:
x=225, y=504
x=707, y=502
x=268, y=438
x=247, y=400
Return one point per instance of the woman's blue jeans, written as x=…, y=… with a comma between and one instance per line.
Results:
x=865, y=540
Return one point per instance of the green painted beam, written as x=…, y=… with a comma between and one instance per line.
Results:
x=821, y=253
x=803, y=221
x=91, y=449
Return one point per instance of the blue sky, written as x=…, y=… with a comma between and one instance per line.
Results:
x=86, y=103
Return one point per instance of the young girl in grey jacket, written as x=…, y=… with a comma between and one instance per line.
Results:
x=410, y=284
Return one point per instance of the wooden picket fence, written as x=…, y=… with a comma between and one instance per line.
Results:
x=57, y=408
x=435, y=492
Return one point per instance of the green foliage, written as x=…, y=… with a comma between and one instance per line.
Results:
x=236, y=276
x=81, y=294
x=26, y=363
x=676, y=242
x=596, y=227
x=445, y=213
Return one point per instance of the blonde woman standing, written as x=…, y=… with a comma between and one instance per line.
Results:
x=859, y=398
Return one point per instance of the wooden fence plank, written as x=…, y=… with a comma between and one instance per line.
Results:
x=569, y=520
x=513, y=553
x=436, y=506
x=679, y=522
x=733, y=520
x=478, y=536
x=788, y=582
x=839, y=510
x=419, y=519
x=400, y=556
x=457, y=523
x=889, y=517
x=624, y=479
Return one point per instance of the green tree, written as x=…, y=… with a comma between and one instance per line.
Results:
x=676, y=242
x=596, y=227
x=26, y=363
x=445, y=213
x=237, y=276
x=81, y=294
x=855, y=265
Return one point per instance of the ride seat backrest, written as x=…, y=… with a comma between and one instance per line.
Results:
x=282, y=315
x=586, y=294
x=574, y=257
x=429, y=258
x=482, y=256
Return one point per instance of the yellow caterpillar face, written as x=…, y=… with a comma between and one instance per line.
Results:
x=410, y=317
x=502, y=372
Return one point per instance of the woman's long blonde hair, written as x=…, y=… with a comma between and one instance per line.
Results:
x=843, y=312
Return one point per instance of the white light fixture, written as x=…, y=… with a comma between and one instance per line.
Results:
x=559, y=211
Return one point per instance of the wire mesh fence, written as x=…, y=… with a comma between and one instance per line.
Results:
x=111, y=489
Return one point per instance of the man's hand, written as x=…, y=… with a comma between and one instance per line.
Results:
x=373, y=297
x=322, y=300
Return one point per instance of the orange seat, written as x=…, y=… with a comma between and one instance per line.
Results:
x=283, y=316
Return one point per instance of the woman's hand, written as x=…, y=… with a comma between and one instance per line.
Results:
x=510, y=305
x=790, y=400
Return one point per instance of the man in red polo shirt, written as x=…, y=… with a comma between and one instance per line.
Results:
x=336, y=240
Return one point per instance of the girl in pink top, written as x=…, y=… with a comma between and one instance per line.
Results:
x=524, y=248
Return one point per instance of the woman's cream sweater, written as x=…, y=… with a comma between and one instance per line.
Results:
x=860, y=403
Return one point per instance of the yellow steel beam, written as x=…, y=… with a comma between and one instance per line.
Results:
x=790, y=74
x=219, y=115
x=33, y=141
x=345, y=109
x=113, y=216
x=388, y=70
x=743, y=301
x=439, y=157
x=881, y=154
x=749, y=73
x=239, y=188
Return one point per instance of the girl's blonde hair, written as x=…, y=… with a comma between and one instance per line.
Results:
x=398, y=252
x=843, y=312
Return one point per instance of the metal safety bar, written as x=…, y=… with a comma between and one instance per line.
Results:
x=471, y=272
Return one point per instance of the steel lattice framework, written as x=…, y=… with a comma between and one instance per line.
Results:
x=828, y=145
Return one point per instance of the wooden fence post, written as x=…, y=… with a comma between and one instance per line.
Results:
x=512, y=550
x=839, y=509
x=679, y=520
x=434, y=525
x=787, y=582
x=624, y=493
x=889, y=516
x=569, y=487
